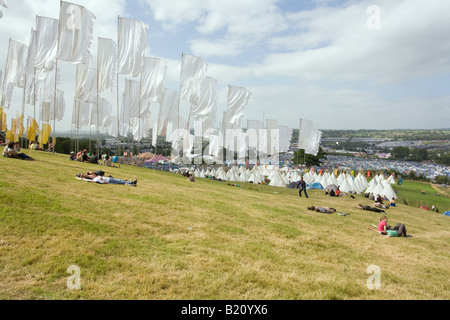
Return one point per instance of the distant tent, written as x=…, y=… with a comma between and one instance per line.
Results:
x=277, y=181
x=446, y=213
x=331, y=187
x=156, y=159
x=292, y=185
x=425, y=208
x=317, y=185
x=345, y=187
x=388, y=192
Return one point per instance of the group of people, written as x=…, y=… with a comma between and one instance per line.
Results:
x=384, y=229
x=35, y=145
x=12, y=150
x=99, y=177
x=84, y=156
x=332, y=193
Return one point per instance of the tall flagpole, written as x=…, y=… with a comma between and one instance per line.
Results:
x=23, y=108
x=118, y=112
x=56, y=80
x=98, y=153
x=3, y=89
x=179, y=99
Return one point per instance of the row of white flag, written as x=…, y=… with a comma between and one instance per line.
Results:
x=69, y=39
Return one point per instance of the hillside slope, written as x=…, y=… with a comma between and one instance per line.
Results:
x=172, y=239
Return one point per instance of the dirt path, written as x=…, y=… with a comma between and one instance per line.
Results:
x=443, y=191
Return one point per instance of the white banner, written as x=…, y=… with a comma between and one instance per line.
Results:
x=193, y=70
x=16, y=64
x=152, y=79
x=132, y=45
x=238, y=99
x=106, y=64
x=46, y=45
x=309, y=137
x=76, y=25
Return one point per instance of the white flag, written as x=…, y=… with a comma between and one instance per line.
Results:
x=86, y=84
x=152, y=79
x=29, y=70
x=16, y=64
x=193, y=70
x=29, y=90
x=206, y=110
x=46, y=45
x=208, y=99
x=106, y=63
x=7, y=95
x=238, y=98
x=309, y=137
x=285, y=138
x=271, y=147
x=132, y=44
x=155, y=134
x=131, y=98
x=76, y=25
x=168, y=111
x=57, y=114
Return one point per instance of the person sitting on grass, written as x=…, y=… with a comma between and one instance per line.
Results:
x=85, y=157
x=393, y=203
x=72, y=156
x=94, y=158
x=369, y=208
x=380, y=205
x=12, y=151
x=107, y=161
x=383, y=229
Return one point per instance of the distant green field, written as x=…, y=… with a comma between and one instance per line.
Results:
x=411, y=192
x=172, y=239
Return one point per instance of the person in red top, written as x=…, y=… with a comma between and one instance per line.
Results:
x=382, y=226
x=338, y=192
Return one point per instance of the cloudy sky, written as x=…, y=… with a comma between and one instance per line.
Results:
x=343, y=64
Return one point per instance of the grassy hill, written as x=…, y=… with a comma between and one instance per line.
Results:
x=171, y=239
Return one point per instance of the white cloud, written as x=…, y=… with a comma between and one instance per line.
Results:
x=323, y=64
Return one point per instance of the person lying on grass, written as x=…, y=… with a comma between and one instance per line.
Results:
x=369, y=208
x=385, y=230
x=109, y=180
x=98, y=177
x=321, y=209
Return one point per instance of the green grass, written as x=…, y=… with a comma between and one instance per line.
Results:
x=411, y=192
x=171, y=239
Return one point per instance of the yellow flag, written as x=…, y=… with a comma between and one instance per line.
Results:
x=13, y=130
x=8, y=136
x=3, y=120
x=47, y=129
